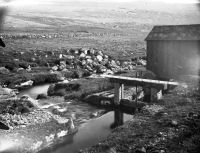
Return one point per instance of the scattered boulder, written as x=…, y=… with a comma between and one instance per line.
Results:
x=140, y=150
x=54, y=68
x=94, y=114
x=24, y=85
x=62, y=65
x=82, y=55
x=100, y=99
x=27, y=83
x=29, y=101
x=99, y=58
x=6, y=93
x=21, y=70
x=70, y=57
x=4, y=70
x=142, y=62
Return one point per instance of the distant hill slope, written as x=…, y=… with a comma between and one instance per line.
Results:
x=61, y=13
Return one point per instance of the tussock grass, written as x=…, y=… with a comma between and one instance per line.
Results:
x=89, y=86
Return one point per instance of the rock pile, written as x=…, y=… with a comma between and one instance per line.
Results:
x=17, y=106
x=14, y=111
x=93, y=61
x=21, y=120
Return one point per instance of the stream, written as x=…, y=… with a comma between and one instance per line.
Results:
x=89, y=132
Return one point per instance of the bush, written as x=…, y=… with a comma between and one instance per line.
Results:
x=80, y=73
x=23, y=65
x=60, y=89
x=41, y=96
x=89, y=86
x=12, y=66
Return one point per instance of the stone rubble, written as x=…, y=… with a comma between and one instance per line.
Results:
x=94, y=61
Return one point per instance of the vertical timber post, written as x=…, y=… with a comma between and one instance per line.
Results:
x=119, y=94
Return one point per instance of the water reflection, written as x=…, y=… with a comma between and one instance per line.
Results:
x=34, y=91
x=89, y=133
x=119, y=116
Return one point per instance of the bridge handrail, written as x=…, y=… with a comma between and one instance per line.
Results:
x=117, y=79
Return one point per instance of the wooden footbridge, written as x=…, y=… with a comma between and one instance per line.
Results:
x=120, y=81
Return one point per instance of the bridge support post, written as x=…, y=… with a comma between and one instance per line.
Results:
x=119, y=94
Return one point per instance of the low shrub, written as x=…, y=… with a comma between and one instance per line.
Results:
x=89, y=86
x=24, y=65
x=47, y=77
x=11, y=66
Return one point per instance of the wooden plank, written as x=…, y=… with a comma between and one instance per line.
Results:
x=121, y=79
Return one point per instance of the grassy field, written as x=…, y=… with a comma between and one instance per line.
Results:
x=35, y=34
x=119, y=29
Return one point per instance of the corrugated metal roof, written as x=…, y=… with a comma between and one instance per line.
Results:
x=175, y=32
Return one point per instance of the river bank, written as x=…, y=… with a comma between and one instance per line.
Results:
x=167, y=125
x=170, y=125
x=55, y=125
x=53, y=117
x=40, y=67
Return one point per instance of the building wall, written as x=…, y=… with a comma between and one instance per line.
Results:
x=173, y=59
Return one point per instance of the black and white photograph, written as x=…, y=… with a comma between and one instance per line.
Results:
x=99, y=76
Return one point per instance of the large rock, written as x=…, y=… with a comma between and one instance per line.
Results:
x=142, y=62
x=104, y=99
x=27, y=83
x=101, y=69
x=100, y=53
x=6, y=93
x=54, y=68
x=88, y=57
x=30, y=102
x=89, y=61
x=82, y=55
x=99, y=58
x=62, y=67
x=83, y=62
x=113, y=64
x=4, y=70
x=70, y=57
x=92, y=52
